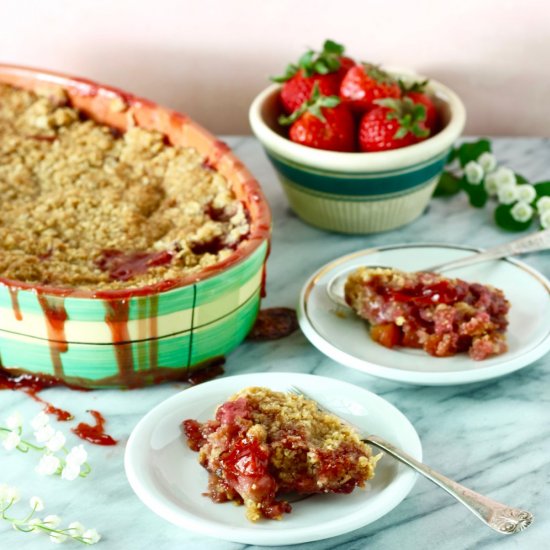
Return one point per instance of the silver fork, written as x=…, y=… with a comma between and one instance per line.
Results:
x=500, y=517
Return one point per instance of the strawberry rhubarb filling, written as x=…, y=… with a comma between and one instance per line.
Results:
x=424, y=310
x=265, y=444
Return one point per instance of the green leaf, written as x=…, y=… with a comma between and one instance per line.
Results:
x=504, y=219
x=333, y=47
x=447, y=185
x=290, y=71
x=521, y=179
x=542, y=188
x=476, y=193
x=321, y=67
x=471, y=151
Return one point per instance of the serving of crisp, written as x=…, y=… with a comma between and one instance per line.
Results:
x=441, y=315
x=264, y=444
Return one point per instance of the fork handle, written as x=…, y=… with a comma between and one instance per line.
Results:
x=501, y=518
x=539, y=240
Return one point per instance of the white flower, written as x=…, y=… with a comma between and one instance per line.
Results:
x=507, y=195
x=37, y=504
x=14, y=421
x=505, y=177
x=473, y=172
x=545, y=219
x=487, y=161
x=11, y=494
x=77, y=455
x=543, y=205
x=40, y=420
x=491, y=184
x=11, y=442
x=522, y=211
x=526, y=193
x=91, y=536
x=76, y=528
x=32, y=523
x=44, y=434
x=52, y=521
x=70, y=472
x=56, y=442
x=58, y=538
x=3, y=490
x=48, y=465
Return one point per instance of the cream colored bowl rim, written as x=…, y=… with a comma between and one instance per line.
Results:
x=361, y=162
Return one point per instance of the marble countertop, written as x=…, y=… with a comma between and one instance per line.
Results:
x=493, y=436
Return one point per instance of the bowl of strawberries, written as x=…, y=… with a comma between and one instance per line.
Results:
x=358, y=148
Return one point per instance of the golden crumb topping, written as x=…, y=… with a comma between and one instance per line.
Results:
x=86, y=207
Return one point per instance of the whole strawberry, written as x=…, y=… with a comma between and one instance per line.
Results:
x=364, y=84
x=417, y=92
x=326, y=68
x=322, y=122
x=394, y=123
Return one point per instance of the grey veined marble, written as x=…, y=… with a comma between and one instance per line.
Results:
x=493, y=436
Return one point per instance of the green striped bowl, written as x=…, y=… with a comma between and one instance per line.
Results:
x=358, y=192
x=137, y=336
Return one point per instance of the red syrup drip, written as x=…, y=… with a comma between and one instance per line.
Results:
x=125, y=266
x=94, y=434
x=263, y=291
x=31, y=385
x=55, y=315
x=15, y=303
x=116, y=318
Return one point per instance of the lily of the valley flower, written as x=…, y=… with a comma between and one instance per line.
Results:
x=40, y=420
x=543, y=205
x=491, y=184
x=507, y=194
x=487, y=161
x=473, y=172
x=12, y=441
x=50, y=525
x=48, y=465
x=77, y=455
x=522, y=211
x=44, y=434
x=526, y=193
x=545, y=219
x=56, y=442
x=14, y=421
x=505, y=177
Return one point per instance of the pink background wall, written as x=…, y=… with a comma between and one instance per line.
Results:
x=210, y=57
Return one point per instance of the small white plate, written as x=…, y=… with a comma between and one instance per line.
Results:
x=344, y=337
x=167, y=477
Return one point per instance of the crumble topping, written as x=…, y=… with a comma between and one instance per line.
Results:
x=441, y=315
x=86, y=207
x=264, y=444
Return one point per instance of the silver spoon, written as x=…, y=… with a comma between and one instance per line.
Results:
x=531, y=243
x=500, y=517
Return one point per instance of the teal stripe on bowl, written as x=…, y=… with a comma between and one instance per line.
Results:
x=359, y=185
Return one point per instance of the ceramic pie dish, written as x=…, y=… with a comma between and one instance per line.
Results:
x=139, y=335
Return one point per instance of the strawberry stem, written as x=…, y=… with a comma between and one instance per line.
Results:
x=409, y=115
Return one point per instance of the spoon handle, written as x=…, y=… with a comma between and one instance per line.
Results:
x=531, y=243
x=500, y=517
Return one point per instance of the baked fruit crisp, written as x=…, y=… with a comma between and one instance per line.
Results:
x=424, y=310
x=263, y=444
x=84, y=206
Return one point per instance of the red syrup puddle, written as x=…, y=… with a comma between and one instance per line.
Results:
x=94, y=434
x=273, y=323
x=31, y=385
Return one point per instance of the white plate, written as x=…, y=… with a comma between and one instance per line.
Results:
x=167, y=477
x=344, y=337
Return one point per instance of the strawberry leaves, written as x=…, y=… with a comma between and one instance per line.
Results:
x=311, y=62
x=314, y=105
x=410, y=115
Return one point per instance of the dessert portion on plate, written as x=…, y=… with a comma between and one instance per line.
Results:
x=441, y=315
x=263, y=444
x=87, y=207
